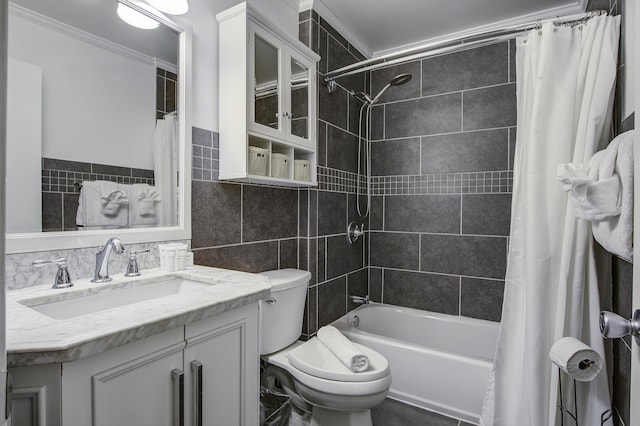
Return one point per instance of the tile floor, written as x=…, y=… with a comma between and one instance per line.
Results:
x=394, y=413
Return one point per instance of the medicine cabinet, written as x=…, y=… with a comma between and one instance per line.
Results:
x=267, y=102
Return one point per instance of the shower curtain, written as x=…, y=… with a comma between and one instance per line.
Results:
x=565, y=85
x=165, y=169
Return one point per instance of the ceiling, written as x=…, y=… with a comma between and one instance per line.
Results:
x=99, y=18
x=382, y=26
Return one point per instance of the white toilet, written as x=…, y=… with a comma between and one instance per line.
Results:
x=314, y=378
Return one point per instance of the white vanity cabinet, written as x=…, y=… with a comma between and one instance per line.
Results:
x=153, y=382
x=268, y=89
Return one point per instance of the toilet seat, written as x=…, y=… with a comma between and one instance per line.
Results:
x=315, y=359
x=334, y=387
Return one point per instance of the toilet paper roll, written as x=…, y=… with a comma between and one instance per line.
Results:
x=578, y=360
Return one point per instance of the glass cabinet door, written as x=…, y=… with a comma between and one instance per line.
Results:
x=267, y=102
x=299, y=92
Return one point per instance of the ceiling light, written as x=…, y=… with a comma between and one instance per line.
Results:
x=135, y=18
x=172, y=7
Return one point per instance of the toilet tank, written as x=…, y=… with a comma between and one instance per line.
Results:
x=281, y=314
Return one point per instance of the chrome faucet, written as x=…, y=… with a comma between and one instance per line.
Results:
x=359, y=300
x=102, y=259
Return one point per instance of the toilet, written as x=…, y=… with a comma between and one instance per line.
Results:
x=316, y=380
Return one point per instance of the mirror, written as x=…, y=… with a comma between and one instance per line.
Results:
x=98, y=133
x=299, y=99
x=267, y=101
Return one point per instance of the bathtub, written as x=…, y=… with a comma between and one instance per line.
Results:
x=438, y=362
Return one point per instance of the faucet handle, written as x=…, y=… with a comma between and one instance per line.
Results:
x=132, y=264
x=62, y=278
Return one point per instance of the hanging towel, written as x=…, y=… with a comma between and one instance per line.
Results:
x=615, y=234
x=143, y=199
x=602, y=192
x=343, y=349
x=102, y=205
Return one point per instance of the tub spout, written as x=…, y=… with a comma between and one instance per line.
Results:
x=359, y=300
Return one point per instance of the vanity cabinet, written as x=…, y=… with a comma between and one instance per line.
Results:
x=204, y=373
x=268, y=89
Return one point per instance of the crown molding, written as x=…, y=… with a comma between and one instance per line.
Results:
x=330, y=16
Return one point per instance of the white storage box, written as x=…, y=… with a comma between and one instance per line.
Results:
x=258, y=160
x=301, y=170
x=279, y=165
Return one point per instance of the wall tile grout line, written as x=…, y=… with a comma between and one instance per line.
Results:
x=444, y=274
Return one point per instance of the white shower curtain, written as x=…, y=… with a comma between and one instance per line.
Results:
x=565, y=85
x=165, y=168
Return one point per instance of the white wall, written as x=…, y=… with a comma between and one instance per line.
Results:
x=202, y=19
x=24, y=137
x=629, y=52
x=98, y=105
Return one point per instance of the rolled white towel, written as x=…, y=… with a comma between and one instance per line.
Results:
x=343, y=349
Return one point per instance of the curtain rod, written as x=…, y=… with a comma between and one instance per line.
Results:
x=460, y=43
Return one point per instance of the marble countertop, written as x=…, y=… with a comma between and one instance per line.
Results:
x=34, y=338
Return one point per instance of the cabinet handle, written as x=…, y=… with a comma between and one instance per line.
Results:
x=177, y=379
x=196, y=370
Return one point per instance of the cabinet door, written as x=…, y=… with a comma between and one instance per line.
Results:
x=36, y=395
x=130, y=385
x=228, y=354
x=301, y=100
x=266, y=103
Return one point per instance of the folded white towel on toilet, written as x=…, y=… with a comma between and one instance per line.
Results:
x=343, y=349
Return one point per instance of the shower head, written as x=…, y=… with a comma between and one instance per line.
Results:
x=400, y=79
x=395, y=81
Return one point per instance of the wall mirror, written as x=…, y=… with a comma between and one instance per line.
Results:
x=98, y=126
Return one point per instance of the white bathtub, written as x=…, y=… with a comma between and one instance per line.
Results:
x=438, y=362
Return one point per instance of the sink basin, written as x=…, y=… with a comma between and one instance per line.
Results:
x=82, y=305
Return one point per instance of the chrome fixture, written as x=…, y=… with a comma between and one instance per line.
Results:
x=398, y=80
x=359, y=300
x=102, y=259
x=613, y=326
x=368, y=103
x=62, y=278
x=132, y=264
x=354, y=321
x=354, y=231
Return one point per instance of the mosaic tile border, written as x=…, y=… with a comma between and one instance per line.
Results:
x=444, y=183
x=63, y=181
x=337, y=180
x=205, y=155
x=61, y=176
x=490, y=182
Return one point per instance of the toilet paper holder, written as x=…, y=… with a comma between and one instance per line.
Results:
x=613, y=326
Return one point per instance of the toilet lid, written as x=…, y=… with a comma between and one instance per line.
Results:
x=315, y=359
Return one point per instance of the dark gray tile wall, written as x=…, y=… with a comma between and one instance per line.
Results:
x=442, y=183
x=245, y=227
x=338, y=268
